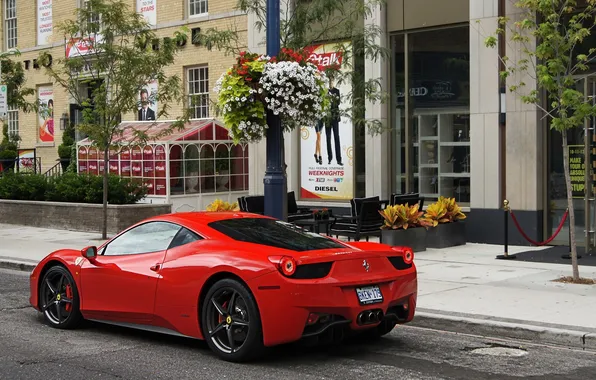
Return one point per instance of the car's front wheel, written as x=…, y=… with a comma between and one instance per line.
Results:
x=231, y=323
x=59, y=298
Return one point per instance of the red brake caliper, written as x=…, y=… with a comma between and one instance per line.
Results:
x=220, y=318
x=68, y=306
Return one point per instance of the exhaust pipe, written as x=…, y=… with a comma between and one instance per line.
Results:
x=372, y=317
x=369, y=317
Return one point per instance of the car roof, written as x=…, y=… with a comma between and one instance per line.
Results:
x=203, y=217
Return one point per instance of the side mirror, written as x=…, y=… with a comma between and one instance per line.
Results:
x=89, y=252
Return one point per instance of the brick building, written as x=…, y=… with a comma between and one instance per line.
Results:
x=31, y=30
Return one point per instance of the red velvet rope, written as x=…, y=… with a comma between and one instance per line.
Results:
x=532, y=241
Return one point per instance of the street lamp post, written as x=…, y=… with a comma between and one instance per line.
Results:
x=276, y=202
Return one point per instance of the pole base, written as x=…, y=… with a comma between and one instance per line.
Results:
x=568, y=256
x=506, y=257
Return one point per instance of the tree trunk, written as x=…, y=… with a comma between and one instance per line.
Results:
x=573, y=242
x=106, y=172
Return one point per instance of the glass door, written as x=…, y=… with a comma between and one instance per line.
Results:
x=578, y=139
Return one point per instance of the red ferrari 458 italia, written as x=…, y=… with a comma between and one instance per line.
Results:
x=241, y=282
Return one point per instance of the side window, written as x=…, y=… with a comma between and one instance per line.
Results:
x=146, y=238
x=183, y=237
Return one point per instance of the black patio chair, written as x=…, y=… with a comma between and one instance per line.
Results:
x=409, y=198
x=366, y=223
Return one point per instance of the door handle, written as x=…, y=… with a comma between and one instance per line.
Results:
x=155, y=267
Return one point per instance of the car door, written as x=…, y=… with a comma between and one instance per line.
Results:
x=120, y=283
x=176, y=295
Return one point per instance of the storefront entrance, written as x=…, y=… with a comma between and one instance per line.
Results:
x=579, y=139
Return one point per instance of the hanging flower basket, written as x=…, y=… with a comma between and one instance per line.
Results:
x=288, y=85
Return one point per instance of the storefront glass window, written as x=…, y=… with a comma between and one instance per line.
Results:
x=434, y=114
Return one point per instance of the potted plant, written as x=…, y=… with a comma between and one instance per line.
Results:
x=8, y=150
x=289, y=85
x=404, y=225
x=447, y=218
x=219, y=205
x=65, y=149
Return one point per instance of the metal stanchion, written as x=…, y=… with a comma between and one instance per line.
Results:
x=505, y=255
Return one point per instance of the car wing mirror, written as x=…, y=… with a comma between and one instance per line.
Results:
x=89, y=252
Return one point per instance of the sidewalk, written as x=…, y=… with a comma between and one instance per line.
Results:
x=461, y=289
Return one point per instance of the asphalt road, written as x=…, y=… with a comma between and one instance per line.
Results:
x=30, y=350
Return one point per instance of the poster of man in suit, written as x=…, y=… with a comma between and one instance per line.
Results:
x=148, y=102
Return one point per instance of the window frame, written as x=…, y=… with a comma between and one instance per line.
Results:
x=7, y=19
x=190, y=6
x=97, y=19
x=200, y=95
x=12, y=119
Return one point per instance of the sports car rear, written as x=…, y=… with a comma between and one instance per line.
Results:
x=332, y=289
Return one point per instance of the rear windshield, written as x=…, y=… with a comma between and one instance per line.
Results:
x=273, y=233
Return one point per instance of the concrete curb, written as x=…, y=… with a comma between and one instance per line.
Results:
x=16, y=265
x=498, y=329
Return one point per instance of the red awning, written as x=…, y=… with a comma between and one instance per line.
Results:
x=195, y=130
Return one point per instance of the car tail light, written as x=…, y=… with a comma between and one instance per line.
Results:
x=290, y=268
x=404, y=260
x=408, y=256
x=287, y=265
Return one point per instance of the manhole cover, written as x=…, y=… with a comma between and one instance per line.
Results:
x=500, y=351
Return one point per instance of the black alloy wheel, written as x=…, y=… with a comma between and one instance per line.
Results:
x=59, y=298
x=231, y=323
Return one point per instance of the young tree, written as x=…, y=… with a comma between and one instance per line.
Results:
x=548, y=35
x=114, y=55
x=305, y=23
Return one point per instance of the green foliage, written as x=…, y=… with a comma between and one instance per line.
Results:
x=70, y=187
x=312, y=22
x=68, y=142
x=9, y=145
x=13, y=75
x=549, y=35
x=121, y=62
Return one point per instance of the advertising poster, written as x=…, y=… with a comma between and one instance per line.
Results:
x=44, y=21
x=147, y=101
x=148, y=162
x=26, y=160
x=160, y=170
x=148, y=8
x=125, y=163
x=80, y=46
x=326, y=151
x=82, y=160
x=577, y=168
x=46, y=114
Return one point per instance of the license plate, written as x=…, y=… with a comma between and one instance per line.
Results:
x=369, y=294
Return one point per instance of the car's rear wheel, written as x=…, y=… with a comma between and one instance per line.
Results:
x=59, y=298
x=231, y=323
